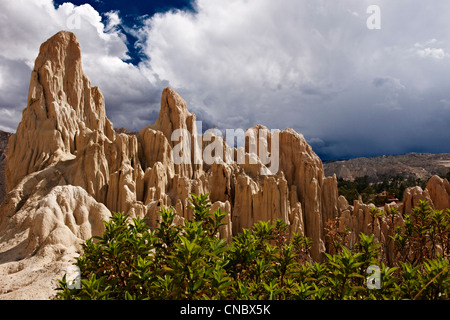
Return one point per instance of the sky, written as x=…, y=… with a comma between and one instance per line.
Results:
x=317, y=66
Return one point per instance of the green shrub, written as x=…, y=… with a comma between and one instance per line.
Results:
x=425, y=235
x=131, y=261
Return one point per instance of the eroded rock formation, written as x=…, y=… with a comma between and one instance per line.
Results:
x=357, y=218
x=437, y=193
x=67, y=169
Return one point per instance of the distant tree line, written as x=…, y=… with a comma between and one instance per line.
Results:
x=447, y=176
x=371, y=191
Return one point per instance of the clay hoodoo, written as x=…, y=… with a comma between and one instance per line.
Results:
x=67, y=169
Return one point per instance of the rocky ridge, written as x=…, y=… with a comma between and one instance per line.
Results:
x=416, y=165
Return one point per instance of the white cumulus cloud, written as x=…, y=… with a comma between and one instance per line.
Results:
x=25, y=24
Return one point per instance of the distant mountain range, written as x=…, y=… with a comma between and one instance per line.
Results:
x=416, y=165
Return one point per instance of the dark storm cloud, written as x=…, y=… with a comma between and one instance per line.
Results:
x=310, y=65
x=316, y=67
x=13, y=91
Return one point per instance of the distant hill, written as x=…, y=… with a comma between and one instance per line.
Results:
x=416, y=165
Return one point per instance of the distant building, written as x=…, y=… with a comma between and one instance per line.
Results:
x=384, y=197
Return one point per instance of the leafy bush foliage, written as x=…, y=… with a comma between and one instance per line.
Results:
x=425, y=235
x=131, y=261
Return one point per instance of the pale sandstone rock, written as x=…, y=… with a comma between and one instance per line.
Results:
x=342, y=203
x=66, y=152
x=225, y=231
x=439, y=191
x=411, y=199
x=61, y=102
x=38, y=242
